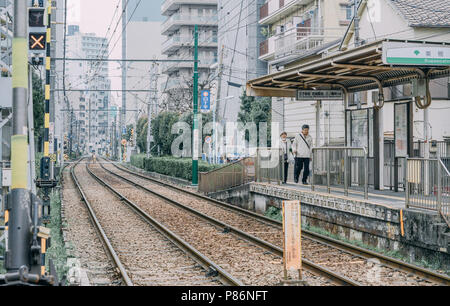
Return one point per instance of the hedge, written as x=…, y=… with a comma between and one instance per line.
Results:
x=176, y=167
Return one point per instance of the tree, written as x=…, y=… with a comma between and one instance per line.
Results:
x=141, y=134
x=180, y=99
x=38, y=106
x=256, y=110
x=162, y=131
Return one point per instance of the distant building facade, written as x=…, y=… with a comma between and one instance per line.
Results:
x=178, y=29
x=91, y=105
x=239, y=38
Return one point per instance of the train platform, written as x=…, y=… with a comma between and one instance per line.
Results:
x=387, y=198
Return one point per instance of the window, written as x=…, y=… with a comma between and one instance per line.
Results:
x=347, y=12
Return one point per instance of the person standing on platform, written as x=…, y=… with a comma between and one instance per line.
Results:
x=286, y=146
x=302, y=148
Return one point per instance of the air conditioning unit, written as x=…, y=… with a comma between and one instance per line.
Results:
x=279, y=30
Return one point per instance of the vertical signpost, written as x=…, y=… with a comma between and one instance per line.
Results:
x=292, y=241
x=206, y=101
x=195, y=133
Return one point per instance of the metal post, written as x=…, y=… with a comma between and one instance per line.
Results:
x=216, y=105
x=18, y=216
x=426, y=154
x=439, y=183
x=123, y=115
x=150, y=106
x=356, y=19
x=366, y=175
x=407, y=183
x=257, y=166
x=312, y=172
x=47, y=85
x=328, y=171
x=345, y=172
x=195, y=133
x=31, y=133
x=71, y=133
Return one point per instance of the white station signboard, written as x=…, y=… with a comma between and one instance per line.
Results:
x=413, y=54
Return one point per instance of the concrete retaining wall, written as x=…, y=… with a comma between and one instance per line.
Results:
x=425, y=235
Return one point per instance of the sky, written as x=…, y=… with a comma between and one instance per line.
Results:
x=95, y=16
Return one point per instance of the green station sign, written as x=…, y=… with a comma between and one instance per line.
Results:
x=416, y=54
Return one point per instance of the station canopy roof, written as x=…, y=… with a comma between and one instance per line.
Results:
x=359, y=69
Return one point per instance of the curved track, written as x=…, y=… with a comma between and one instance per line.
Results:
x=364, y=266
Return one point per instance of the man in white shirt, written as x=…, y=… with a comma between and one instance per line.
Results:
x=302, y=148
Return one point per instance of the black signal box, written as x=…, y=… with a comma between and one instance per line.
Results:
x=36, y=17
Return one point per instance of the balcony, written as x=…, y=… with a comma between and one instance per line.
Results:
x=267, y=48
x=204, y=63
x=299, y=40
x=173, y=82
x=274, y=10
x=176, y=21
x=177, y=41
x=169, y=6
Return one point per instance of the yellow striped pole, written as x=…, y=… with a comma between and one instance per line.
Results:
x=6, y=220
x=47, y=83
x=46, y=210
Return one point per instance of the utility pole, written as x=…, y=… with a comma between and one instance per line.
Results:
x=151, y=106
x=71, y=133
x=195, y=133
x=124, y=71
x=17, y=215
x=356, y=20
x=216, y=106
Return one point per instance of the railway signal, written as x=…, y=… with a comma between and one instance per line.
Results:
x=36, y=17
x=37, y=41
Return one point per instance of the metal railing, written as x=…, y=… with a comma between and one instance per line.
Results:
x=269, y=165
x=229, y=176
x=444, y=190
x=344, y=167
x=301, y=39
x=428, y=185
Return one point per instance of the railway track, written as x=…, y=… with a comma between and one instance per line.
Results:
x=253, y=260
x=144, y=251
x=364, y=266
x=88, y=245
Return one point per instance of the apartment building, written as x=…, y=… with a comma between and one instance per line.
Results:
x=144, y=41
x=90, y=104
x=298, y=30
x=178, y=29
x=239, y=38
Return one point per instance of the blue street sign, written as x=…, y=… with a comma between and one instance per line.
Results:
x=205, y=100
x=124, y=131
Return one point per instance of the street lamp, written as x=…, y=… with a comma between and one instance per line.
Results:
x=214, y=127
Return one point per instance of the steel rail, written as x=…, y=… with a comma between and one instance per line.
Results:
x=367, y=254
x=223, y=276
x=309, y=265
x=100, y=230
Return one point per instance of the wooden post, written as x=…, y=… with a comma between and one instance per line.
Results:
x=292, y=241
